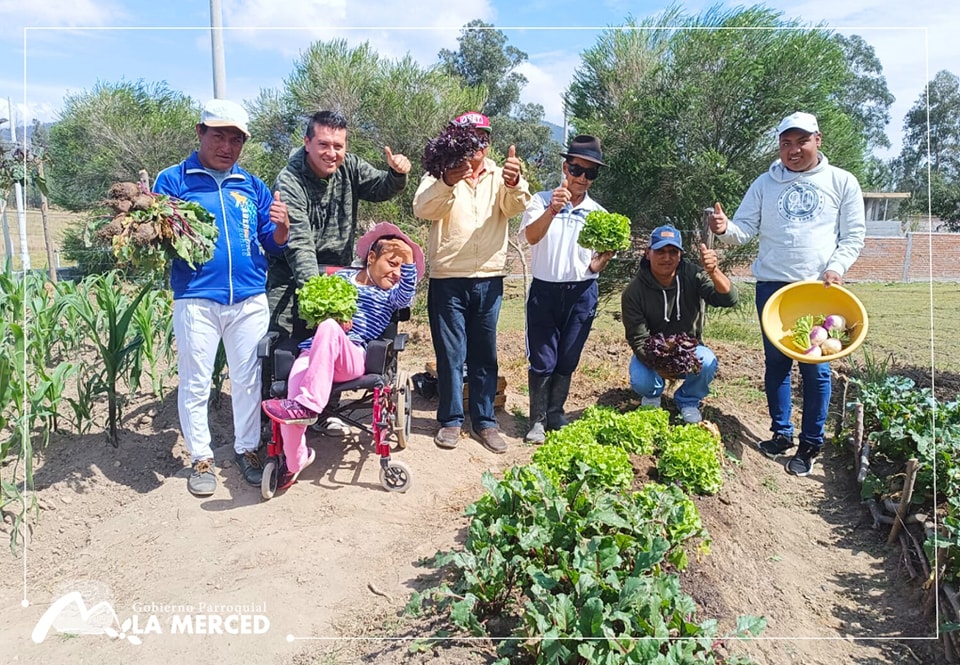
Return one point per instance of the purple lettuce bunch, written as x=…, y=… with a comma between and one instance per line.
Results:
x=455, y=144
x=671, y=355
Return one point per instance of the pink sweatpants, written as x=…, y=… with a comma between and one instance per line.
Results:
x=332, y=358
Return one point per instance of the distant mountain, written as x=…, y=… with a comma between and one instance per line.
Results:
x=556, y=132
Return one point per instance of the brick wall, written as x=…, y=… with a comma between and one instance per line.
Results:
x=907, y=259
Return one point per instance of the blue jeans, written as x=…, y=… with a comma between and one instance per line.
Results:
x=463, y=316
x=559, y=318
x=647, y=383
x=816, y=382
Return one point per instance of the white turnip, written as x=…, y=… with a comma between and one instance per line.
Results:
x=813, y=352
x=834, y=322
x=818, y=334
x=831, y=346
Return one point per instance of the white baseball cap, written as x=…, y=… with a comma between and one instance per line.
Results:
x=799, y=120
x=224, y=113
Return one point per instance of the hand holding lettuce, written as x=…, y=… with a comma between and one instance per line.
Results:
x=605, y=232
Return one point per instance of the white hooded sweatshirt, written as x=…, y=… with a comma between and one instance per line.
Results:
x=808, y=222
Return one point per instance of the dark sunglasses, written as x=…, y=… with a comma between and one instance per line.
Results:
x=576, y=171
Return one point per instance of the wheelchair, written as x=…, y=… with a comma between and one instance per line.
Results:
x=385, y=392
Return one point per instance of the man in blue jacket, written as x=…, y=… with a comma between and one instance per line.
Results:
x=224, y=298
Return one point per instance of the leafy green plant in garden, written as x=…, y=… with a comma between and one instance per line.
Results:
x=690, y=456
x=639, y=431
x=564, y=563
x=109, y=330
x=565, y=450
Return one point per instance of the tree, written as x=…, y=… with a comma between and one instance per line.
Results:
x=109, y=133
x=865, y=96
x=386, y=102
x=686, y=107
x=931, y=144
x=485, y=59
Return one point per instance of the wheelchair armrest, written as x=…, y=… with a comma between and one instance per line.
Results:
x=399, y=341
x=402, y=314
x=266, y=343
x=378, y=350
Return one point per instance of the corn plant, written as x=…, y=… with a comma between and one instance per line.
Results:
x=153, y=322
x=109, y=330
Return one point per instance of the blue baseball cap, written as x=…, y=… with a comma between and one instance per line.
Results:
x=665, y=235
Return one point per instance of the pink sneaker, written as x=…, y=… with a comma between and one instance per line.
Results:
x=288, y=412
x=289, y=479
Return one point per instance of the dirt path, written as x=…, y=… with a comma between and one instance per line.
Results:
x=336, y=556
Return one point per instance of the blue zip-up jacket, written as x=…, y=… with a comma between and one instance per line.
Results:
x=241, y=205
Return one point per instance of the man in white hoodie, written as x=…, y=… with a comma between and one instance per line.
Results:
x=809, y=217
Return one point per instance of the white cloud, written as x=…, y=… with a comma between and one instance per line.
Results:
x=19, y=14
x=395, y=29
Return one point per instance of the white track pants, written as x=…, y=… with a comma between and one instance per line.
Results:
x=199, y=325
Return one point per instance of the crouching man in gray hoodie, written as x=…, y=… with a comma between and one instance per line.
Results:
x=665, y=297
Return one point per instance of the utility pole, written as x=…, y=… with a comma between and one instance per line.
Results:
x=216, y=44
x=18, y=189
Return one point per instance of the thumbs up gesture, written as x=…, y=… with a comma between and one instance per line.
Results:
x=561, y=197
x=280, y=217
x=511, y=168
x=398, y=163
x=718, y=219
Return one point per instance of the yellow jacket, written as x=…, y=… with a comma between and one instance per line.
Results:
x=468, y=237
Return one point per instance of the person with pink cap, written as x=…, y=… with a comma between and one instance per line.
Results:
x=336, y=353
x=470, y=206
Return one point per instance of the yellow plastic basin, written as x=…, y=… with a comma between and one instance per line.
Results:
x=811, y=297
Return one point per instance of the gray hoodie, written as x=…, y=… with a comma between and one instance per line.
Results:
x=808, y=222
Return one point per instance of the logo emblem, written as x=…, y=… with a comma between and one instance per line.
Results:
x=800, y=202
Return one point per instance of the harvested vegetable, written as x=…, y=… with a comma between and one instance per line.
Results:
x=672, y=355
x=818, y=336
x=146, y=230
x=456, y=144
x=605, y=232
x=327, y=297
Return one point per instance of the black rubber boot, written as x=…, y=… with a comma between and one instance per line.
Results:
x=539, y=387
x=559, y=389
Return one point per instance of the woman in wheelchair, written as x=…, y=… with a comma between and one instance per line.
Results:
x=336, y=353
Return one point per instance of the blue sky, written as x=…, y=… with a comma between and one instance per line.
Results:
x=49, y=48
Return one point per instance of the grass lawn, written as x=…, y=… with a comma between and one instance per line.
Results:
x=913, y=322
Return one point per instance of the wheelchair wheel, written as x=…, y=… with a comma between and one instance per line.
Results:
x=403, y=408
x=271, y=473
x=395, y=477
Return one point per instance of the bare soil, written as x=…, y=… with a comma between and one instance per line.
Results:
x=331, y=562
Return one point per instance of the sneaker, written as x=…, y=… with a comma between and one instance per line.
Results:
x=690, y=414
x=536, y=434
x=801, y=464
x=289, y=479
x=776, y=446
x=655, y=402
x=491, y=439
x=448, y=437
x=250, y=467
x=202, y=482
x=332, y=426
x=288, y=412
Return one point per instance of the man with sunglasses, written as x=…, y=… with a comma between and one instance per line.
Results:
x=562, y=301
x=469, y=206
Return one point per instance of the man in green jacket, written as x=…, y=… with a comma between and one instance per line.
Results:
x=665, y=297
x=322, y=184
